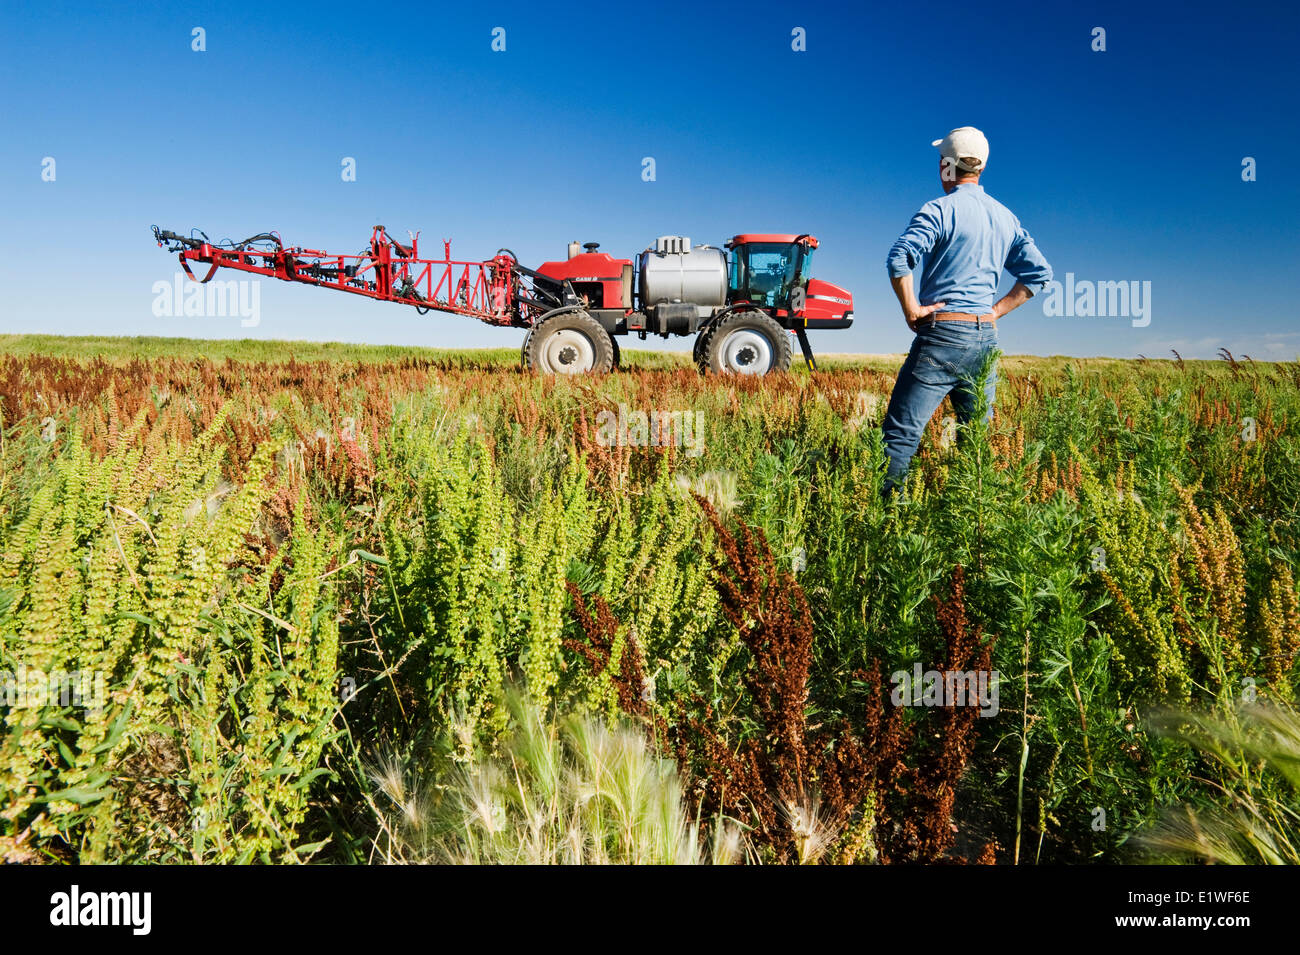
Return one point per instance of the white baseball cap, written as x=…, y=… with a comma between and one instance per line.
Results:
x=962, y=143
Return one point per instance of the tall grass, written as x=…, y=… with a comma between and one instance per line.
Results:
x=1255, y=819
x=567, y=791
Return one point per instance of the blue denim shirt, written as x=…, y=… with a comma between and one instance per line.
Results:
x=967, y=237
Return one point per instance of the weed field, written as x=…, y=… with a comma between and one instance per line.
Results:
x=263, y=602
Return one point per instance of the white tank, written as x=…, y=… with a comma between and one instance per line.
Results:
x=673, y=271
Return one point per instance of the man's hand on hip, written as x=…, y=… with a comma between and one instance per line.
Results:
x=1019, y=295
x=915, y=312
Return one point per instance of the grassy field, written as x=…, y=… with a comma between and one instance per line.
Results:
x=120, y=349
x=294, y=602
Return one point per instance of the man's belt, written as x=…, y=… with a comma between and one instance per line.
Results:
x=962, y=317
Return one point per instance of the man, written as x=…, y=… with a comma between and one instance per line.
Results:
x=967, y=238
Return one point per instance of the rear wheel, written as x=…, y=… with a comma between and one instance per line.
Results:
x=747, y=343
x=571, y=343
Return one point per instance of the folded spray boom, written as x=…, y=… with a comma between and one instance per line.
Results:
x=387, y=270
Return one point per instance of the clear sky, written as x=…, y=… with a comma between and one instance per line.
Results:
x=1125, y=165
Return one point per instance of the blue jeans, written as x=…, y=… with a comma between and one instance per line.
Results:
x=946, y=357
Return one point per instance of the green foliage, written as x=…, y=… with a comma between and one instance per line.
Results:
x=130, y=570
x=287, y=559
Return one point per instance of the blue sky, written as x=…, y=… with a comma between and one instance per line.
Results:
x=1125, y=165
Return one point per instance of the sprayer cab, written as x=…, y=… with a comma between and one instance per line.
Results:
x=774, y=272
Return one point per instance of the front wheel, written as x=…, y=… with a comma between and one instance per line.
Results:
x=747, y=343
x=700, y=351
x=571, y=343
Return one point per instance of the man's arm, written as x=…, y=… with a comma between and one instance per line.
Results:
x=1030, y=269
x=1018, y=296
x=918, y=239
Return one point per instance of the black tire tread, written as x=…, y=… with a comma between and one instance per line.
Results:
x=782, y=353
x=602, y=341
